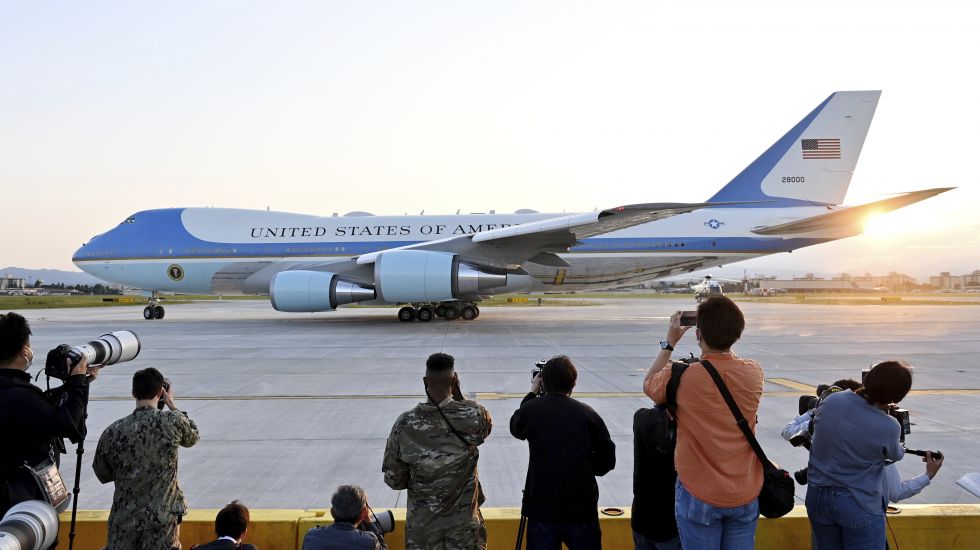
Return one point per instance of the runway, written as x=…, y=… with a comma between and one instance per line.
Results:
x=290, y=406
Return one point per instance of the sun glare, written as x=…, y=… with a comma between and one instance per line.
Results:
x=880, y=226
x=901, y=223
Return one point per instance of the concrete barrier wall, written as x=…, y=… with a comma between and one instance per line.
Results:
x=919, y=527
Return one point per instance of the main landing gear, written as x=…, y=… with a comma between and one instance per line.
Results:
x=154, y=310
x=449, y=311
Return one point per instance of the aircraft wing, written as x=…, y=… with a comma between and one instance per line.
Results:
x=509, y=247
x=849, y=219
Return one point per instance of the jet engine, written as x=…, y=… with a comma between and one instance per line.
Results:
x=308, y=291
x=423, y=276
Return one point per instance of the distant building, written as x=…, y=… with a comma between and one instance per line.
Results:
x=10, y=284
x=945, y=281
x=895, y=282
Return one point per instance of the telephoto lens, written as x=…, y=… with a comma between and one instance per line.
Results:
x=109, y=349
x=30, y=525
x=385, y=520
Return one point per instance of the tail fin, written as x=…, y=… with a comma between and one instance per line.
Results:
x=813, y=162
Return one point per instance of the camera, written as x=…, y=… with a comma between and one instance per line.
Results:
x=29, y=525
x=689, y=318
x=379, y=524
x=166, y=388
x=538, y=365
x=108, y=349
x=902, y=416
x=383, y=521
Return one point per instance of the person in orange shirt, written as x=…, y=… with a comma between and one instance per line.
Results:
x=718, y=475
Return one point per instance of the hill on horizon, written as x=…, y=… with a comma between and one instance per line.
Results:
x=51, y=276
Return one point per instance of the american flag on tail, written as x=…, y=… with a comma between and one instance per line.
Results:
x=820, y=148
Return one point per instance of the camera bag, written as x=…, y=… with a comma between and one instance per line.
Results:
x=50, y=484
x=776, y=498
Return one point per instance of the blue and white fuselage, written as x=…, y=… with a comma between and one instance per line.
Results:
x=786, y=199
x=227, y=251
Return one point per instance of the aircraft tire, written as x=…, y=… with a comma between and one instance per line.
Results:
x=440, y=311
x=158, y=312
x=149, y=313
x=469, y=313
x=406, y=314
x=450, y=314
x=425, y=314
x=477, y=308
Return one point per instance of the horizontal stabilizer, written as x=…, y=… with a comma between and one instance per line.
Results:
x=853, y=217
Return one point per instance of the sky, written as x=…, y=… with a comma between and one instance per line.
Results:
x=109, y=108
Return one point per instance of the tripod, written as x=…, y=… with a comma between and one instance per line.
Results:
x=79, y=451
x=520, y=530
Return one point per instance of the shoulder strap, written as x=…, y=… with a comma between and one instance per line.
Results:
x=736, y=412
x=677, y=369
x=448, y=423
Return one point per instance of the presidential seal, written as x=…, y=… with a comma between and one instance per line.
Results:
x=175, y=272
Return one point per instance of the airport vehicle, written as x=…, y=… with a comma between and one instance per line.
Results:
x=442, y=266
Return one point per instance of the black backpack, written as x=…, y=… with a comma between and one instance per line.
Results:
x=662, y=424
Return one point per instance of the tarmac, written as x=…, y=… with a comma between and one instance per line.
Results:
x=290, y=406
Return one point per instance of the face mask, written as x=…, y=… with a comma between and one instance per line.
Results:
x=30, y=360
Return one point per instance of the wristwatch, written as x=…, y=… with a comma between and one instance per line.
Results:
x=666, y=345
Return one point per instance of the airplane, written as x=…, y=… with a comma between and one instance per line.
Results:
x=443, y=266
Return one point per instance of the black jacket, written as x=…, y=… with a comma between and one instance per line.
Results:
x=30, y=423
x=569, y=446
x=224, y=545
x=653, y=484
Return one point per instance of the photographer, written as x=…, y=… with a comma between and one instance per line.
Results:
x=719, y=476
x=349, y=509
x=569, y=446
x=32, y=422
x=432, y=452
x=139, y=454
x=853, y=437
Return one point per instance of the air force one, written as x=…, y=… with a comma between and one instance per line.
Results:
x=442, y=266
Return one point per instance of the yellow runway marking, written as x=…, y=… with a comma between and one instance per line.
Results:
x=792, y=384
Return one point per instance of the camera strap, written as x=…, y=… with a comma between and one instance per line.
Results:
x=743, y=424
x=452, y=428
x=456, y=490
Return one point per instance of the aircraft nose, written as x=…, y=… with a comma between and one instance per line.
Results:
x=78, y=254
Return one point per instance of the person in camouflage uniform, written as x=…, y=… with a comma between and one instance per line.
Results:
x=432, y=452
x=139, y=454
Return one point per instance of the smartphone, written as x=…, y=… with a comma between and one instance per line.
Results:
x=689, y=318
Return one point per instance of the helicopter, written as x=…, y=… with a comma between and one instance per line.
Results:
x=708, y=287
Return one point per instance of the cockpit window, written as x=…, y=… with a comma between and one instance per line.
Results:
x=131, y=219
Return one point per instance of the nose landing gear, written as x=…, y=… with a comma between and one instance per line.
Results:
x=449, y=311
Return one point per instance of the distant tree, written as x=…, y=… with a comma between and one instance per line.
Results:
x=38, y=283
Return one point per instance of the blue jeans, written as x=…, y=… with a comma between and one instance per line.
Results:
x=576, y=536
x=704, y=526
x=838, y=521
x=642, y=543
